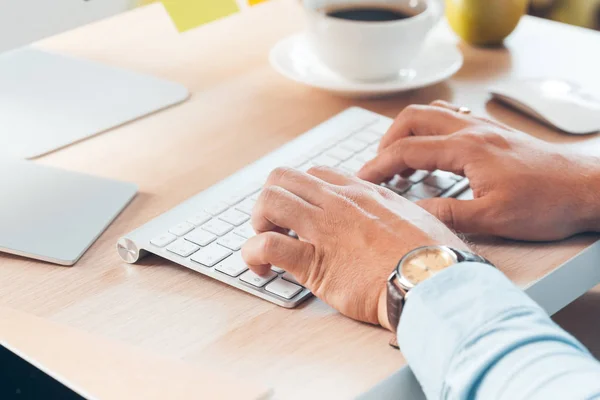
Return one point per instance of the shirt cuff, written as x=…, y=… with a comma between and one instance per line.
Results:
x=441, y=313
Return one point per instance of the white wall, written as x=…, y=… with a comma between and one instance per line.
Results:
x=25, y=21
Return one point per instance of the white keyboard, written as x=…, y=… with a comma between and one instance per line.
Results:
x=205, y=233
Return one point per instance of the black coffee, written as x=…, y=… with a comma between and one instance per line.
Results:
x=370, y=13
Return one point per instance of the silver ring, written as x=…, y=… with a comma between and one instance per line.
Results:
x=463, y=110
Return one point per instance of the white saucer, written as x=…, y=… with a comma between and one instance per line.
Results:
x=293, y=58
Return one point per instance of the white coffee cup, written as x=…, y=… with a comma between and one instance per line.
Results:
x=368, y=50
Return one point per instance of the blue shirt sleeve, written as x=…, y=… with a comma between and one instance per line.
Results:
x=469, y=332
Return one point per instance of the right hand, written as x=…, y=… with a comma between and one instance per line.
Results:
x=524, y=188
x=352, y=235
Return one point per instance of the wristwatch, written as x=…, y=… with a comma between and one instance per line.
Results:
x=417, y=266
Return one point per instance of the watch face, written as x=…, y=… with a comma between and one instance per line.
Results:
x=424, y=263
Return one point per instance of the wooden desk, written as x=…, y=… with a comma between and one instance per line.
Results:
x=98, y=368
x=241, y=109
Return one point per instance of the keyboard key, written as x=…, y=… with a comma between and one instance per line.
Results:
x=183, y=248
x=374, y=148
x=200, y=237
x=251, y=189
x=283, y=288
x=163, y=240
x=295, y=163
x=232, y=266
x=341, y=136
x=352, y=165
x=458, y=188
x=232, y=241
x=359, y=126
x=233, y=199
x=256, y=195
x=446, y=174
x=367, y=136
x=422, y=191
x=329, y=143
x=217, y=227
x=326, y=145
x=257, y=280
x=354, y=145
x=315, y=151
x=217, y=208
x=290, y=278
x=324, y=159
x=306, y=166
x=340, y=153
x=398, y=184
x=418, y=176
x=381, y=126
x=199, y=219
x=210, y=255
x=246, y=206
x=440, y=182
x=181, y=229
x=277, y=269
x=234, y=217
x=366, y=155
x=245, y=231
x=466, y=195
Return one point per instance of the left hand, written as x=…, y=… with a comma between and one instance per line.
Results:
x=524, y=188
x=352, y=234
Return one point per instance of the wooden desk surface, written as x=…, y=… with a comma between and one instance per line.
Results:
x=241, y=109
x=98, y=368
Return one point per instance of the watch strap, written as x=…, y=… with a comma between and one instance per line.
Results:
x=395, y=303
x=396, y=297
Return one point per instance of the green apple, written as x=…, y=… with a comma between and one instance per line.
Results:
x=484, y=22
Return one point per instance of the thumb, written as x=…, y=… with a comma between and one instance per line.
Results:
x=465, y=216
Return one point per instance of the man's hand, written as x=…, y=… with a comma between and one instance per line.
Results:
x=524, y=188
x=352, y=234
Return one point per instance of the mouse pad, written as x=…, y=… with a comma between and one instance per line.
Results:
x=55, y=215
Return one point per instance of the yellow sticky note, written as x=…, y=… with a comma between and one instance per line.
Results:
x=188, y=14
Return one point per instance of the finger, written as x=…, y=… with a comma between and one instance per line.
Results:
x=428, y=153
x=466, y=216
x=278, y=208
x=446, y=105
x=423, y=121
x=307, y=187
x=454, y=107
x=270, y=248
x=407, y=172
x=331, y=175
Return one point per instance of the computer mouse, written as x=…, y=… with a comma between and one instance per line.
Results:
x=556, y=102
